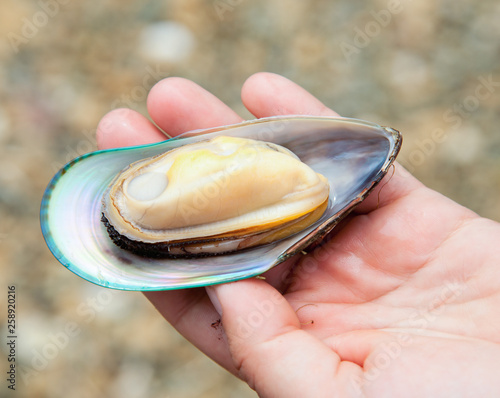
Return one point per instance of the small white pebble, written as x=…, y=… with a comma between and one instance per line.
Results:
x=166, y=41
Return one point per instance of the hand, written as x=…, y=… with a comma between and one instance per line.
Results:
x=403, y=301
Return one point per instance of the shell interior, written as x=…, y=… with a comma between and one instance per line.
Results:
x=353, y=155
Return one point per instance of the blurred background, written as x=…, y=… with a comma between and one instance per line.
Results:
x=430, y=69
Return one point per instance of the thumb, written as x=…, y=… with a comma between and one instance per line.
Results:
x=269, y=349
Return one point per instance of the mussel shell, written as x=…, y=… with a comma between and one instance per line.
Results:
x=354, y=155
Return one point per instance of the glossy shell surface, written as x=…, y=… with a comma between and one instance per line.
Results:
x=353, y=155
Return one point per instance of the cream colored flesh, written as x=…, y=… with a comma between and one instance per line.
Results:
x=221, y=187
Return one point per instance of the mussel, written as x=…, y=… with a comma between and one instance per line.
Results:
x=95, y=220
x=211, y=197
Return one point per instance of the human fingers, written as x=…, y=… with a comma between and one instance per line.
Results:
x=268, y=347
x=125, y=127
x=193, y=315
x=268, y=94
x=178, y=105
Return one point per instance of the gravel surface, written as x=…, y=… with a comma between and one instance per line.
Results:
x=431, y=69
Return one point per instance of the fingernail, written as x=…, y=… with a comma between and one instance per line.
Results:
x=214, y=299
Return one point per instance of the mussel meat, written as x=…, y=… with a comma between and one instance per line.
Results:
x=212, y=197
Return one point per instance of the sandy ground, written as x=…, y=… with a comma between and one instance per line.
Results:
x=428, y=68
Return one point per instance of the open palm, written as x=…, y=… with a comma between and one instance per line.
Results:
x=403, y=301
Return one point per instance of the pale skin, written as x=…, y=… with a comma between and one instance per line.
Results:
x=403, y=300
